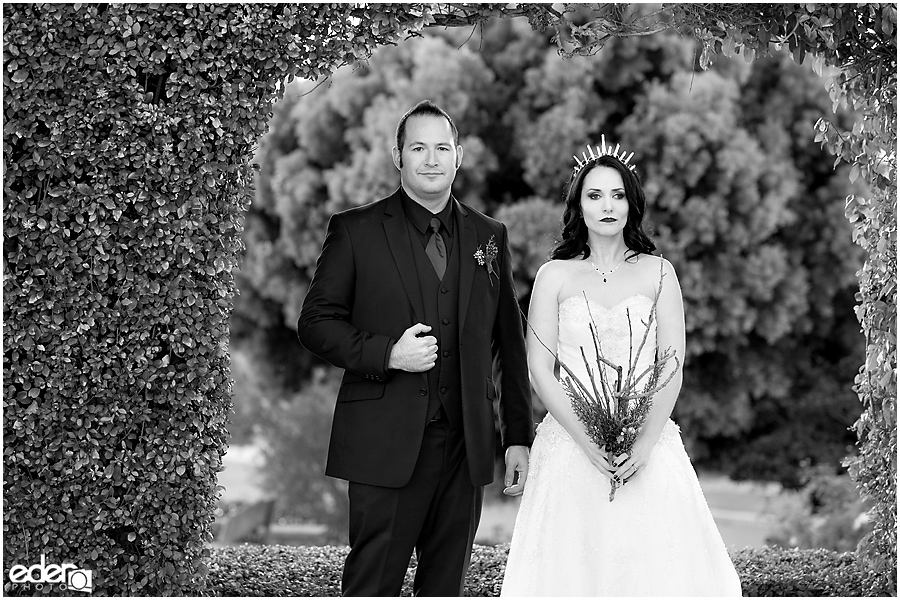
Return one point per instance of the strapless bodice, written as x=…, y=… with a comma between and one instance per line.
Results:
x=619, y=329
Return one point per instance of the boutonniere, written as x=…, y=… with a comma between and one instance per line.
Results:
x=487, y=258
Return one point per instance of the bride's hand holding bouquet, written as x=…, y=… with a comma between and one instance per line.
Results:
x=598, y=457
x=629, y=465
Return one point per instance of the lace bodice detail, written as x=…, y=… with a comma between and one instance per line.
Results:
x=617, y=343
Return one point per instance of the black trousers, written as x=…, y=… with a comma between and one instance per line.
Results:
x=436, y=514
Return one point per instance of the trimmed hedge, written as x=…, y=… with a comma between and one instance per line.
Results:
x=122, y=198
x=316, y=571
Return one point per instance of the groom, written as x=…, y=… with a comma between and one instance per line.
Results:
x=413, y=296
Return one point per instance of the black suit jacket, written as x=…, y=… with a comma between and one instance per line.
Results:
x=364, y=293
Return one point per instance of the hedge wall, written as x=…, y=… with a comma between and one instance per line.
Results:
x=128, y=131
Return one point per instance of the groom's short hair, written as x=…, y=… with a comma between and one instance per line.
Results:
x=423, y=108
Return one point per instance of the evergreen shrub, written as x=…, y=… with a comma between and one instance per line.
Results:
x=128, y=131
x=250, y=570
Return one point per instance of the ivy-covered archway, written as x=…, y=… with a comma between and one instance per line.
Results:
x=129, y=131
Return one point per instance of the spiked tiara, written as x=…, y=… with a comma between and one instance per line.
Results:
x=602, y=150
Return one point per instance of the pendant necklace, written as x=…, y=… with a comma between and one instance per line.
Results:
x=605, y=274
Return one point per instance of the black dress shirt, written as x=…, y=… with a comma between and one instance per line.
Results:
x=420, y=217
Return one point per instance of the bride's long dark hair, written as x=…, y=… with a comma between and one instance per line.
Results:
x=574, y=239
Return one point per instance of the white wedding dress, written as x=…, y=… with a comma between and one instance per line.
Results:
x=656, y=538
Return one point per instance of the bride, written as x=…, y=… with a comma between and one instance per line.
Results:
x=657, y=536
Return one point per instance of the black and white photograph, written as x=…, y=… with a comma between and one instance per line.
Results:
x=458, y=299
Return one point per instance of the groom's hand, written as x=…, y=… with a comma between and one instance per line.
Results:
x=413, y=353
x=516, y=470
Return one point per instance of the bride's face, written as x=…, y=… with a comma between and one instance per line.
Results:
x=603, y=201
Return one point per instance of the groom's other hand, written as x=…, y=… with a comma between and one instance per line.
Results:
x=516, y=470
x=414, y=353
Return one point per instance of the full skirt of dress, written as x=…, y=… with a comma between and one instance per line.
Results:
x=657, y=536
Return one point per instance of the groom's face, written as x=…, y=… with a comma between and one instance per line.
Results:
x=428, y=159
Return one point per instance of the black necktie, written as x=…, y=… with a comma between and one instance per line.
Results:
x=436, y=249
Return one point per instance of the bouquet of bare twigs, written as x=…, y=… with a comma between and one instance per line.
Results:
x=614, y=412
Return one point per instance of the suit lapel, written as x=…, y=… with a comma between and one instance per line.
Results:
x=468, y=241
x=398, y=239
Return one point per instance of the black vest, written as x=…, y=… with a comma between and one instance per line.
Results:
x=441, y=301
